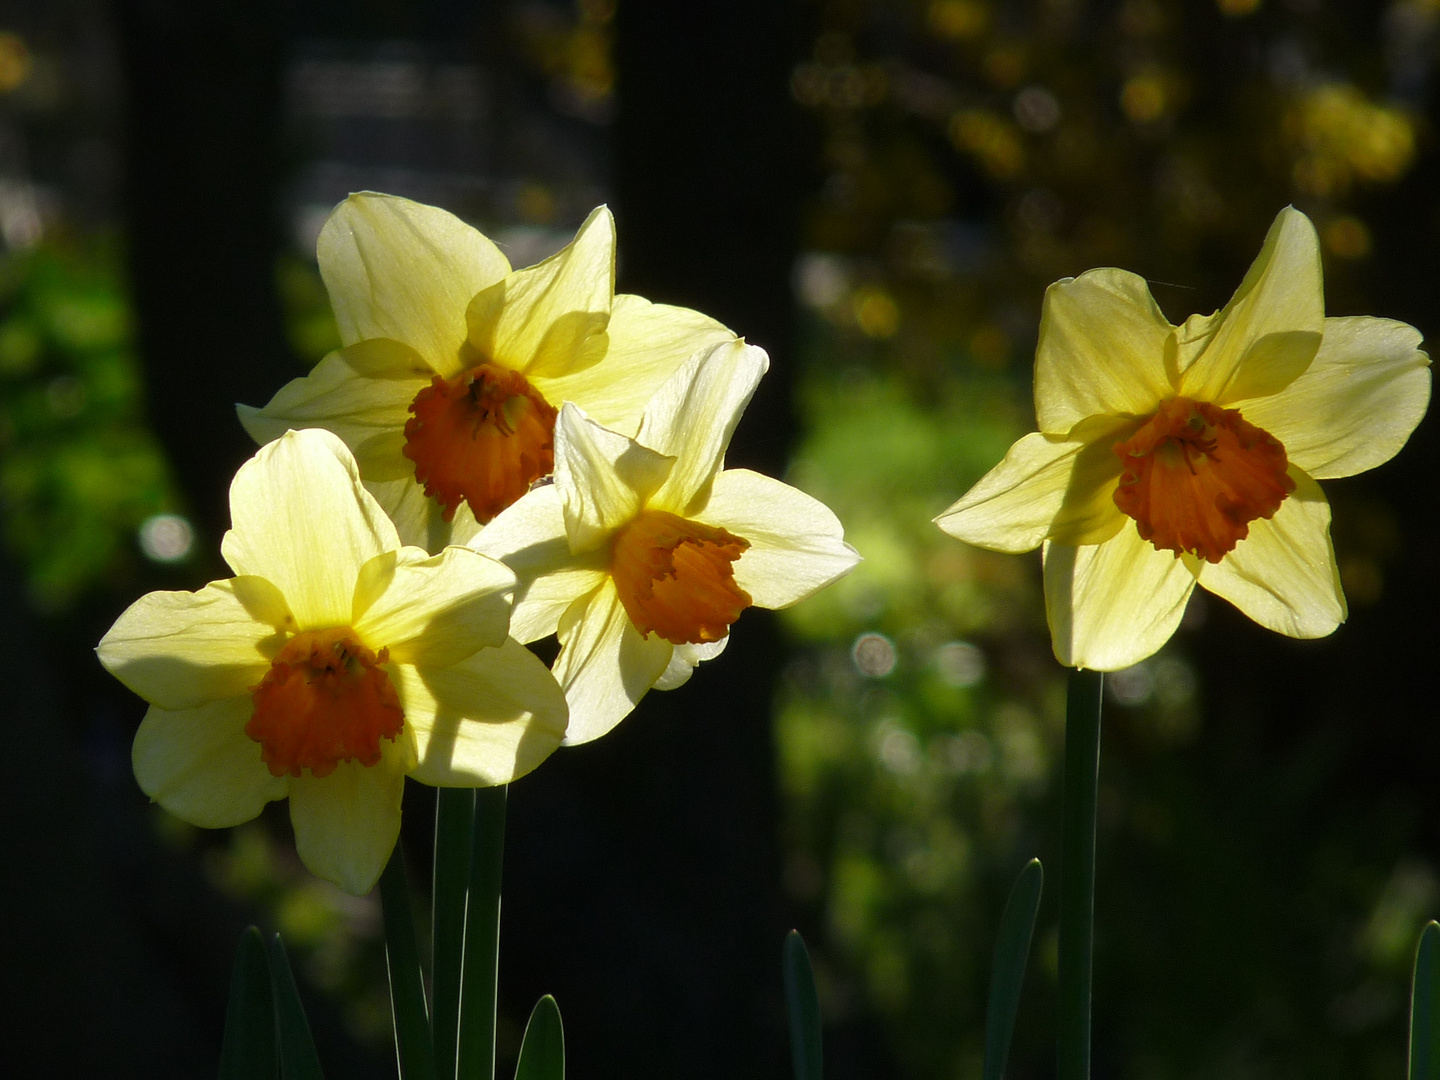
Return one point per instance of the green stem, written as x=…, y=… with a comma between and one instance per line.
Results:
x=1077, y=872
x=454, y=818
x=476, y=1056
x=413, y=1052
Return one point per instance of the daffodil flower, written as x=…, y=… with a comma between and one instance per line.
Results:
x=1171, y=456
x=454, y=365
x=333, y=665
x=644, y=551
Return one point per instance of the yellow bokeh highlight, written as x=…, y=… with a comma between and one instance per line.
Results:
x=990, y=139
x=15, y=62
x=957, y=20
x=876, y=312
x=1143, y=98
x=1343, y=136
x=1346, y=237
x=1234, y=9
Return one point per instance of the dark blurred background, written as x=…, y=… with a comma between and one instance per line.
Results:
x=876, y=191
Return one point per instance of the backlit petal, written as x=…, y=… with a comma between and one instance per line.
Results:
x=1045, y=488
x=685, y=659
x=433, y=610
x=401, y=270
x=1283, y=575
x=693, y=416
x=365, y=402
x=346, y=824
x=178, y=650
x=605, y=666
x=1268, y=333
x=201, y=766
x=487, y=720
x=1113, y=604
x=303, y=521
x=647, y=344
x=797, y=544
x=550, y=319
x=1101, y=350
x=603, y=478
x=1356, y=404
x=419, y=520
x=530, y=538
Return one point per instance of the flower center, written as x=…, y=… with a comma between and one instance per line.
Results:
x=675, y=578
x=1196, y=475
x=483, y=436
x=324, y=700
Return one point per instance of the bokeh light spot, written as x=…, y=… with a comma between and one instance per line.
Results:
x=166, y=538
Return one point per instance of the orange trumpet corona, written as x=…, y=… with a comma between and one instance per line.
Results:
x=1195, y=476
x=676, y=578
x=324, y=700
x=483, y=437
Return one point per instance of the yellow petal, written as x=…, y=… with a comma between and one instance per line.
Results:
x=647, y=344
x=433, y=610
x=201, y=766
x=685, y=659
x=178, y=650
x=1268, y=333
x=529, y=537
x=1113, y=604
x=1046, y=488
x=418, y=519
x=693, y=416
x=1357, y=402
x=550, y=319
x=487, y=720
x=402, y=270
x=1283, y=575
x=1101, y=350
x=368, y=411
x=302, y=521
x=605, y=666
x=797, y=544
x=346, y=824
x=603, y=478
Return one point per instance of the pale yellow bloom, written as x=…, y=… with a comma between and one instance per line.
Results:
x=454, y=365
x=645, y=550
x=335, y=663
x=1170, y=456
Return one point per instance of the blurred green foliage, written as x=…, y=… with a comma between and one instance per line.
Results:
x=971, y=152
x=79, y=470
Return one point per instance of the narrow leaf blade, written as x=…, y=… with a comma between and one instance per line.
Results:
x=1012, y=952
x=414, y=1054
x=803, y=1005
x=247, y=1051
x=542, y=1053
x=298, y=1059
x=1425, y=1007
x=475, y=1053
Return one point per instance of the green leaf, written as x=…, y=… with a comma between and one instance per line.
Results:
x=1425, y=1007
x=803, y=1005
x=248, y=1049
x=414, y=1054
x=1012, y=951
x=542, y=1053
x=454, y=820
x=1077, y=873
x=298, y=1059
x=475, y=1056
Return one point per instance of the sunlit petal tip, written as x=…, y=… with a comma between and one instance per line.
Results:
x=603, y=478
x=276, y=500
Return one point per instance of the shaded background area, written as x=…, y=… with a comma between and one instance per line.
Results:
x=877, y=191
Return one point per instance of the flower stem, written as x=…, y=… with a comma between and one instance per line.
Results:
x=476, y=1054
x=454, y=818
x=1077, y=871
